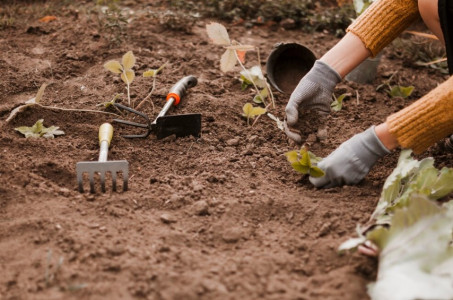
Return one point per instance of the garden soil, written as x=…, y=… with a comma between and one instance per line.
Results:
x=223, y=216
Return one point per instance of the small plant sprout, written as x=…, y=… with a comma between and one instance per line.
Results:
x=396, y=90
x=39, y=130
x=151, y=73
x=337, y=104
x=251, y=112
x=125, y=69
x=235, y=53
x=304, y=162
x=111, y=102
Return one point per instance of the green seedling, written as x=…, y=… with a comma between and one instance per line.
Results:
x=151, y=73
x=125, y=69
x=111, y=103
x=337, y=104
x=39, y=130
x=251, y=112
x=304, y=162
x=400, y=91
x=235, y=53
x=396, y=90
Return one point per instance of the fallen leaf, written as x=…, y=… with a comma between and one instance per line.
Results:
x=47, y=19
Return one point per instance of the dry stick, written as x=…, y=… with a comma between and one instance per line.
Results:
x=148, y=96
x=357, y=96
x=246, y=71
x=127, y=88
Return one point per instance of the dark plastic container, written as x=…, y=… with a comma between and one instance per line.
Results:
x=287, y=64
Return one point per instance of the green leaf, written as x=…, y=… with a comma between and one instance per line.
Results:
x=128, y=60
x=51, y=132
x=337, y=104
x=38, y=130
x=316, y=172
x=401, y=91
x=300, y=168
x=130, y=75
x=416, y=254
x=292, y=156
x=114, y=66
x=305, y=158
x=444, y=184
x=250, y=111
x=254, y=75
x=228, y=61
x=218, y=34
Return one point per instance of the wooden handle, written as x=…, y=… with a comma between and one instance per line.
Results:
x=105, y=133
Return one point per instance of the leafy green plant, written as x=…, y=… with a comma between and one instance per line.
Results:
x=125, y=69
x=251, y=112
x=337, y=104
x=39, y=130
x=412, y=177
x=153, y=74
x=304, y=162
x=396, y=90
x=235, y=53
x=415, y=252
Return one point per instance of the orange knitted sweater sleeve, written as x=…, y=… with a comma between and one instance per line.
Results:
x=383, y=21
x=425, y=121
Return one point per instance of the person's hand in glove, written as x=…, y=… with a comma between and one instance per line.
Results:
x=314, y=92
x=351, y=161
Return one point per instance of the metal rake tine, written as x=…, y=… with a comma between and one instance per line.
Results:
x=135, y=124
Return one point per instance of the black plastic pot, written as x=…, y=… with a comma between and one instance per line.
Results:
x=287, y=64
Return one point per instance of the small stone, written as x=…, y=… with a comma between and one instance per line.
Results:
x=232, y=142
x=322, y=134
x=232, y=235
x=200, y=208
x=168, y=218
x=64, y=192
x=288, y=24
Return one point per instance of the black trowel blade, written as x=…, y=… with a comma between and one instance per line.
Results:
x=179, y=125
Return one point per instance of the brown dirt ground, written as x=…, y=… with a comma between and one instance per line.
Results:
x=219, y=217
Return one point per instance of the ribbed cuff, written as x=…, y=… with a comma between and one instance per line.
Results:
x=383, y=21
x=425, y=121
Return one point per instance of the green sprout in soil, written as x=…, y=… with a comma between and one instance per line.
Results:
x=39, y=130
x=125, y=69
x=304, y=162
x=251, y=112
x=337, y=104
x=235, y=53
x=151, y=73
x=396, y=90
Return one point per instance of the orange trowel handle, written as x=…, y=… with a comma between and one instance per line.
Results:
x=179, y=89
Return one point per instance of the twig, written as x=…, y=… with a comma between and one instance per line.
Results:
x=357, y=96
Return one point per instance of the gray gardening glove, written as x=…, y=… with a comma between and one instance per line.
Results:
x=352, y=161
x=314, y=91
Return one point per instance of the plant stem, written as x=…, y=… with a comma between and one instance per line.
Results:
x=149, y=95
x=246, y=71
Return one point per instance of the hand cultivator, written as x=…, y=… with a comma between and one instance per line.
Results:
x=102, y=166
x=163, y=126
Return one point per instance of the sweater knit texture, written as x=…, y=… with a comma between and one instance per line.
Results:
x=383, y=21
x=425, y=121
